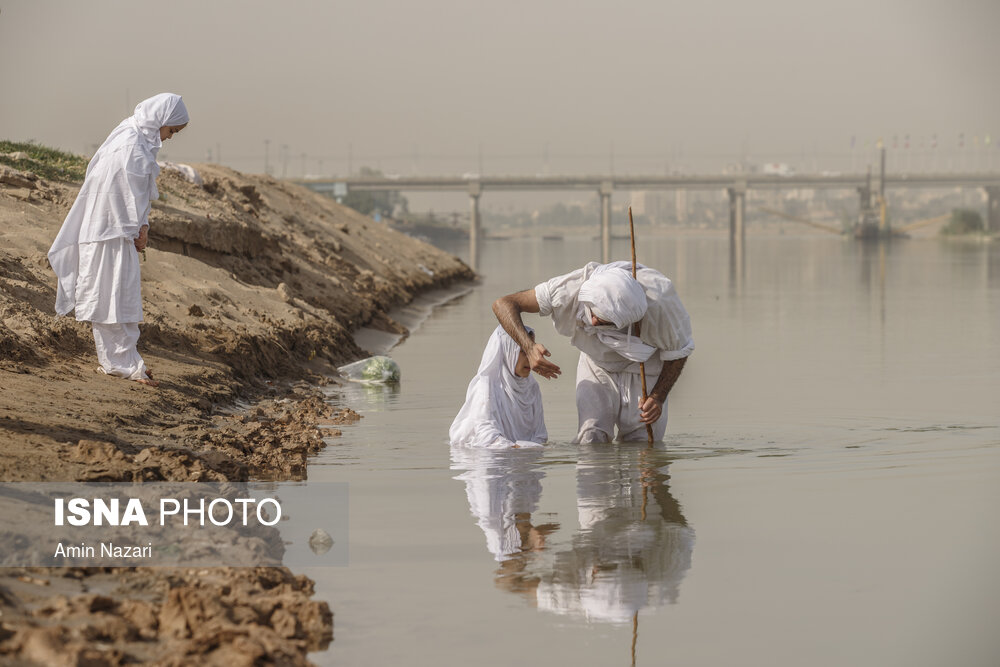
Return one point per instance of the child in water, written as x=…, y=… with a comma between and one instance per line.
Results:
x=503, y=405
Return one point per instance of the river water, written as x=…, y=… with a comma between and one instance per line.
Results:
x=826, y=493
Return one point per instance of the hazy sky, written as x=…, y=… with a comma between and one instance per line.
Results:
x=426, y=85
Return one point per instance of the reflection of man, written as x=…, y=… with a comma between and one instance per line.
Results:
x=633, y=548
x=599, y=307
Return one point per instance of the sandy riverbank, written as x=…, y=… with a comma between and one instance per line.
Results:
x=251, y=289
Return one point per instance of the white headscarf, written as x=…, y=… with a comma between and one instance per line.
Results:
x=115, y=198
x=163, y=110
x=501, y=409
x=612, y=294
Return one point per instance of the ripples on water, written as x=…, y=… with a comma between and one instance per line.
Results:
x=833, y=444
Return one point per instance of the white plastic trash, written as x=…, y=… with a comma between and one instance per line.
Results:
x=373, y=370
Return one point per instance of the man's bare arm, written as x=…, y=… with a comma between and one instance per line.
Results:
x=508, y=310
x=668, y=376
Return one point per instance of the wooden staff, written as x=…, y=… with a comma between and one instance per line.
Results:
x=642, y=366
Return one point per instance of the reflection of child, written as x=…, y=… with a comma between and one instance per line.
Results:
x=503, y=405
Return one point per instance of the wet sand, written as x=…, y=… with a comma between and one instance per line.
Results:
x=252, y=289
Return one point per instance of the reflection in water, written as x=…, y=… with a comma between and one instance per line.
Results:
x=993, y=266
x=503, y=487
x=737, y=265
x=794, y=368
x=631, y=551
x=376, y=397
x=873, y=278
x=633, y=547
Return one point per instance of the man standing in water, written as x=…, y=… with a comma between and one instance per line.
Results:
x=598, y=307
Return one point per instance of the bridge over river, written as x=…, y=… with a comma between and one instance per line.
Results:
x=736, y=185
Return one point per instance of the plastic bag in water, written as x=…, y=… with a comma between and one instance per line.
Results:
x=373, y=370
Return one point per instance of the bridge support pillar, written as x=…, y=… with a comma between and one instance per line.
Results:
x=605, y=192
x=475, y=225
x=992, y=210
x=737, y=231
x=737, y=213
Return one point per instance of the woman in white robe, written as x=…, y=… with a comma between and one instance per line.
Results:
x=96, y=254
x=503, y=404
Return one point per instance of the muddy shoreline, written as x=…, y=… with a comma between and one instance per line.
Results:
x=252, y=289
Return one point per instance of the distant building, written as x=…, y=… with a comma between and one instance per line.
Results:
x=661, y=207
x=681, y=206
x=778, y=169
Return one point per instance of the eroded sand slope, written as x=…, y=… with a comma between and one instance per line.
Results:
x=251, y=289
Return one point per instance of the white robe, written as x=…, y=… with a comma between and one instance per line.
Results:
x=102, y=283
x=666, y=325
x=107, y=289
x=116, y=350
x=605, y=400
x=93, y=255
x=501, y=409
x=608, y=386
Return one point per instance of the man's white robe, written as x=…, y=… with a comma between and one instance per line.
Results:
x=608, y=384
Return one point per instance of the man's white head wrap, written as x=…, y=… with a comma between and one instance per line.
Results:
x=614, y=295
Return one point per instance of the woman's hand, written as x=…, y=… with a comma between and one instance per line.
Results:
x=140, y=243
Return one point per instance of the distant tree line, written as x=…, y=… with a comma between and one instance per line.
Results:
x=964, y=221
x=556, y=215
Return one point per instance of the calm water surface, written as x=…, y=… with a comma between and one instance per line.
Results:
x=826, y=493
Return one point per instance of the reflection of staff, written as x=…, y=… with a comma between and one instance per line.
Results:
x=635, y=634
x=643, y=470
x=642, y=366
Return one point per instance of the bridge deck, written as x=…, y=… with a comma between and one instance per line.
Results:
x=652, y=182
